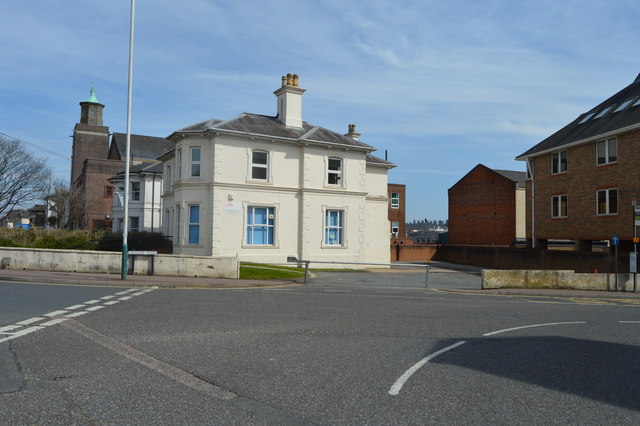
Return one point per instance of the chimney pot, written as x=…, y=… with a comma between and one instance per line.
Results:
x=284, y=80
x=289, y=79
x=295, y=80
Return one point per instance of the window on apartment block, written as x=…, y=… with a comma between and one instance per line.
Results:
x=168, y=180
x=334, y=171
x=559, y=206
x=179, y=159
x=395, y=200
x=195, y=162
x=177, y=233
x=395, y=228
x=607, y=151
x=135, y=191
x=559, y=162
x=260, y=225
x=108, y=191
x=333, y=227
x=607, y=200
x=194, y=224
x=259, y=165
x=134, y=223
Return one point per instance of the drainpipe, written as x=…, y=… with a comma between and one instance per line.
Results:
x=153, y=198
x=533, y=203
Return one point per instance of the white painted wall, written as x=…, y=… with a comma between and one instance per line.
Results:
x=521, y=209
x=148, y=208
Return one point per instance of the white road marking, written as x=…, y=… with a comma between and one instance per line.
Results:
x=337, y=291
x=53, y=322
x=95, y=308
x=71, y=308
x=120, y=293
x=395, y=389
x=107, y=297
x=531, y=326
x=77, y=314
x=91, y=302
x=9, y=328
x=113, y=302
x=629, y=322
x=55, y=313
x=30, y=321
x=21, y=333
x=140, y=293
x=125, y=298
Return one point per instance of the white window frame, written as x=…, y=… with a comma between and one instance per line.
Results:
x=607, y=204
x=179, y=160
x=194, y=225
x=328, y=227
x=253, y=165
x=131, y=228
x=250, y=227
x=556, y=162
x=332, y=172
x=193, y=162
x=395, y=201
x=136, y=195
x=395, y=228
x=607, y=155
x=556, y=206
x=168, y=180
x=177, y=224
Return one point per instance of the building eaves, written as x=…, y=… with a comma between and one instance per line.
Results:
x=144, y=147
x=372, y=160
x=587, y=127
x=518, y=177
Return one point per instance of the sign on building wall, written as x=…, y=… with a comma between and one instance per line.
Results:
x=232, y=207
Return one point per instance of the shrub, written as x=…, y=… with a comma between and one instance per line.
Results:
x=112, y=241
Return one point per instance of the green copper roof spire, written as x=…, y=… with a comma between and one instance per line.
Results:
x=92, y=95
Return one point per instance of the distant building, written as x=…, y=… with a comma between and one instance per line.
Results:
x=94, y=160
x=397, y=200
x=583, y=179
x=487, y=207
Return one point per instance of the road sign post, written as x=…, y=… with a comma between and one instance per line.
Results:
x=615, y=242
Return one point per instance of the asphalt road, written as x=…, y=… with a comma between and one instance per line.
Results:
x=332, y=352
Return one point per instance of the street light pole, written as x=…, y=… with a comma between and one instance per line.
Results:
x=125, y=219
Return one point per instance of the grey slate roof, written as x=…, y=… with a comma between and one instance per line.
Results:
x=148, y=147
x=594, y=127
x=372, y=159
x=269, y=126
x=518, y=177
x=143, y=167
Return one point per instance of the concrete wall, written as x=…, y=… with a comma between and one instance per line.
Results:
x=110, y=262
x=492, y=278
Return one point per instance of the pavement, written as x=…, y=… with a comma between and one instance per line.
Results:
x=114, y=280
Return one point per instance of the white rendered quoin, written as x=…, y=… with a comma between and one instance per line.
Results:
x=269, y=187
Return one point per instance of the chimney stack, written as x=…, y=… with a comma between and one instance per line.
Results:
x=290, y=101
x=352, y=132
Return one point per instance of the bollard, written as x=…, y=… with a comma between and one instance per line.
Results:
x=426, y=280
x=306, y=270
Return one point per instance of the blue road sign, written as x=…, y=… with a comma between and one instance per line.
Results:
x=615, y=240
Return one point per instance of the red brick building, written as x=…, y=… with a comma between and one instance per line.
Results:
x=582, y=180
x=486, y=207
x=397, y=197
x=94, y=160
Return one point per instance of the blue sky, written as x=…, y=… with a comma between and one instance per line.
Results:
x=440, y=85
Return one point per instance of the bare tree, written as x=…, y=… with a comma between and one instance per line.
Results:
x=23, y=177
x=67, y=204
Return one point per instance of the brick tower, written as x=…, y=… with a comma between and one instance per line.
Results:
x=90, y=137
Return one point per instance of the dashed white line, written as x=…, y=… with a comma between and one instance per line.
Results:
x=71, y=308
x=120, y=293
x=91, y=302
x=21, y=333
x=30, y=321
x=95, y=308
x=107, y=297
x=55, y=313
x=337, y=291
x=77, y=314
x=125, y=298
x=53, y=322
x=395, y=389
x=112, y=302
x=9, y=328
x=629, y=322
x=140, y=293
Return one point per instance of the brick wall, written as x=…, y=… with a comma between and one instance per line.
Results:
x=482, y=209
x=88, y=142
x=399, y=213
x=580, y=182
x=95, y=175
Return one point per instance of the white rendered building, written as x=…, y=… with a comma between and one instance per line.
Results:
x=266, y=188
x=145, y=211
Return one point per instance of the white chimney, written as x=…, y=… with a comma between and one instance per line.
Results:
x=290, y=101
